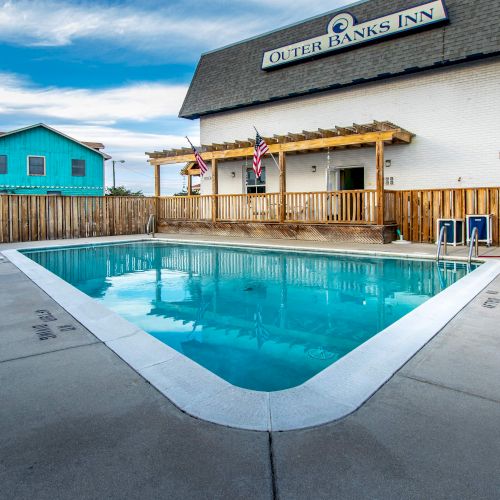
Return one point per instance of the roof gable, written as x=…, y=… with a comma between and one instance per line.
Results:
x=232, y=77
x=86, y=145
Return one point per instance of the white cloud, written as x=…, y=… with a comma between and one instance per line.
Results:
x=150, y=30
x=178, y=29
x=136, y=102
x=121, y=138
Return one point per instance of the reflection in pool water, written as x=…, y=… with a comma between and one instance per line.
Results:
x=263, y=320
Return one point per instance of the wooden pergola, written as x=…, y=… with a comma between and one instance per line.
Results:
x=377, y=134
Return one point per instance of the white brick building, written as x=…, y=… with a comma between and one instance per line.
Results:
x=454, y=112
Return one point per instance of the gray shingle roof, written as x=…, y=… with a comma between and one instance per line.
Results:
x=232, y=77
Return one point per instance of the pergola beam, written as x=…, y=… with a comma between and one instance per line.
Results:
x=294, y=146
x=327, y=132
x=403, y=136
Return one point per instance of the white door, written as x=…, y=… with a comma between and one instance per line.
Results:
x=331, y=179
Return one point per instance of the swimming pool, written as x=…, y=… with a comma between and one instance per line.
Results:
x=264, y=320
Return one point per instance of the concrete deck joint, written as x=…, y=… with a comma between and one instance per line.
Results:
x=17, y=358
x=447, y=387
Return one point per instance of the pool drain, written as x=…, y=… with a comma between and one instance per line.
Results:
x=321, y=353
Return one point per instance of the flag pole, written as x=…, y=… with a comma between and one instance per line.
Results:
x=198, y=159
x=272, y=156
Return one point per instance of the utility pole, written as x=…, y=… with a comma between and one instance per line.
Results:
x=114, y=175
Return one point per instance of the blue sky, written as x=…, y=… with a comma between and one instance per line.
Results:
x=117, y=71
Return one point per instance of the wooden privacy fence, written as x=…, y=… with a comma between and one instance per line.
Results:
x=32, y=218
x=184, y=207
x=389, y=207
x=417, y=211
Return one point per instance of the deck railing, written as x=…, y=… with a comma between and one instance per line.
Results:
x=355, y=207
x=248, y=207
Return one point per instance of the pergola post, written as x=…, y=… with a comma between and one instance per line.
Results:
x=157, y=181
x=190, y=184
x=379, y=162
x=282, y=205
x=215, y=189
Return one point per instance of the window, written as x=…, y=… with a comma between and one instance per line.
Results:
x=36, y=165
x=255, y=185
x=3, y=164
x=78, y=168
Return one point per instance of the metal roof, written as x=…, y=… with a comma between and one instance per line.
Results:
x=89, y=145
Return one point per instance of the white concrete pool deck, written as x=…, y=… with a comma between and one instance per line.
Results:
x=332, y=394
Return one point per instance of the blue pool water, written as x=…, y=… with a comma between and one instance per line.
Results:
x=262, y=320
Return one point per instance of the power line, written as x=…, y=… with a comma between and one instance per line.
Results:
x=140, y=173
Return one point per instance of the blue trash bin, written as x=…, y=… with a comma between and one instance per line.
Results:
x=454, y=230
x=483, y=223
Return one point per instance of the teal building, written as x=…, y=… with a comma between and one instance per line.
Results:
x=41, y=160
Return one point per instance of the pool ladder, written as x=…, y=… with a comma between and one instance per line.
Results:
x=474, y=244
x=150, y=226
x=442, y=242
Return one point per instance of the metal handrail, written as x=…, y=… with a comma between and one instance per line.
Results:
x=474, y=243
x=150, y=225
x=442, y=232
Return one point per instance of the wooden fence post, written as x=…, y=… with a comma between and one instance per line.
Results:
x=282, y=199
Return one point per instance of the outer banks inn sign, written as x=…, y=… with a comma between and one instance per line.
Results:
x=343, y=32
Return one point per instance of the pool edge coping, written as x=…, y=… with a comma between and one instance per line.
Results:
x=256, y=245
x=332, y=394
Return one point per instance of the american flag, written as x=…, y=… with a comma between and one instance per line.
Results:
x=261, y=148
x=199, y=160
